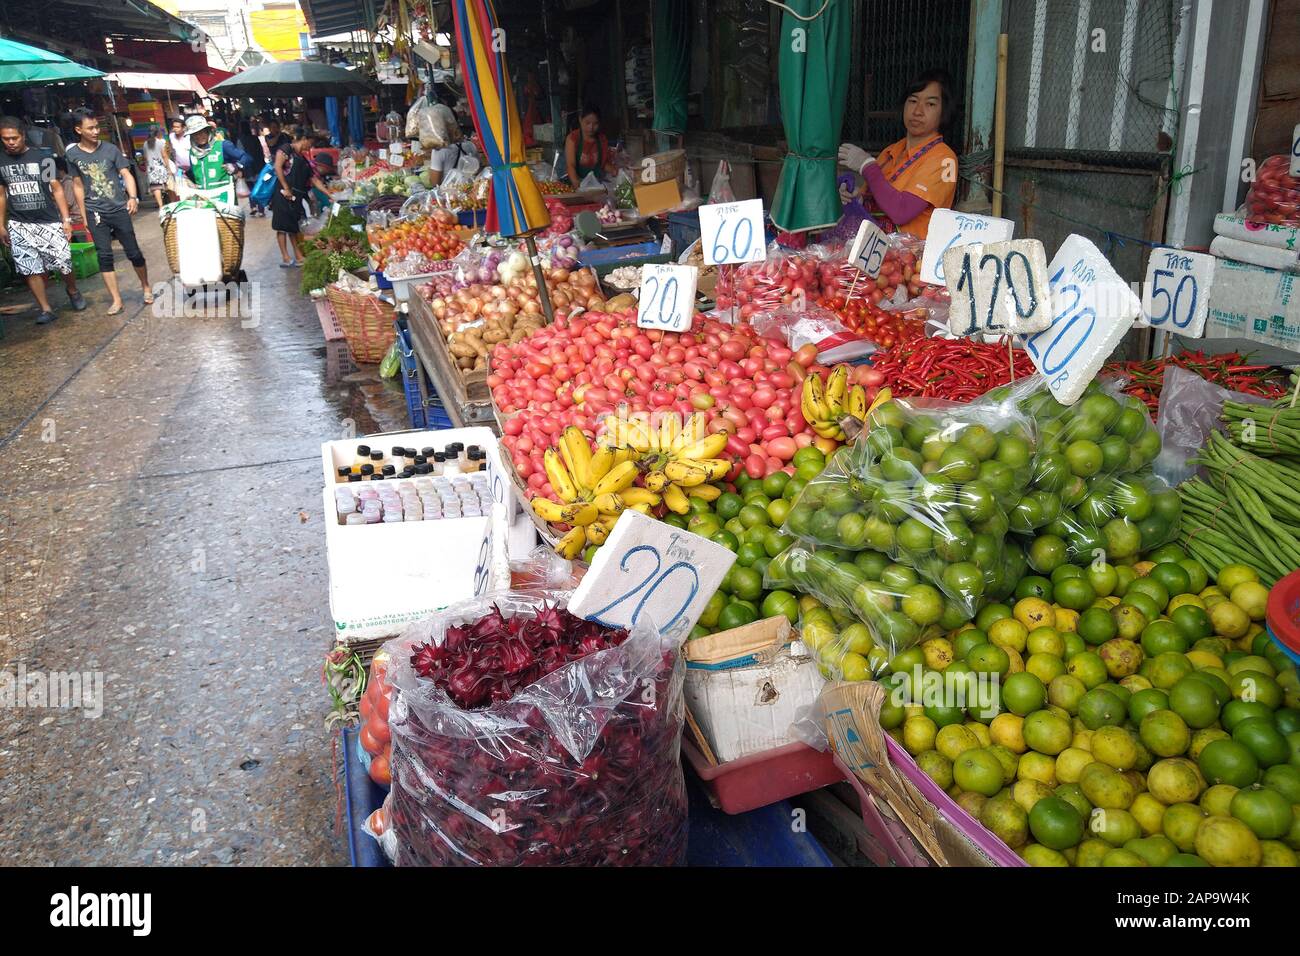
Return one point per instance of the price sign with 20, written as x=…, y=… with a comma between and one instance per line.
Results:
x=1176, y=295
x=667, y=297
x=1092, y=309
x=732, y=233
x=998, y=288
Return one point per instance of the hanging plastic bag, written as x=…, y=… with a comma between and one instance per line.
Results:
x=812, y=325
x=720, y=189
x=624, y=194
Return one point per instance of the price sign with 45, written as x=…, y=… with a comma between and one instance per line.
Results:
x=667, y=297
x=869, y=248
x=732, y=232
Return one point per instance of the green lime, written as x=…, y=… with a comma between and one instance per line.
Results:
x=808, y=470
x=774, y=542
x=1075, y=593
x=1196, y=575
x=1143, y=602
x=1192, y=621
x=748, y=553
x=781, y=602
x=1096, y=626
x=965, y=641
x=897, y=578
x=1084, y=458
x=774, y=484
x=727, y=540
x=1100, y=708
x=1174, y=577
x=1033, y=585
x=990, y=614
x=1227, y=761
x=793, y=489
x=1066, y=571
x=746, y=583
x=872, y=563
x=675, y=520
x=1154, y=589
x=1047, y=553
x=736, y=614
x=1023, y=693
x=1160, y=637
x=810, y=454
x=778, y=511
x=1261, y=738
x=752, y=515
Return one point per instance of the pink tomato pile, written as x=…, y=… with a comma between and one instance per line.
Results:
x=580, y=369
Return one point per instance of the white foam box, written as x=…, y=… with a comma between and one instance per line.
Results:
x=746, y=704
x=383, y=576
x=1252, y=302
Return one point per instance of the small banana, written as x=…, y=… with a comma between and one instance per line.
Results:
x=676, y=500
x=643, y=509
x=598, y=531
x=705, y=492
x=656, y=481
x=610, y=504
x=858, y=403
x=632, y=497
x=829, y=430
x=686, y=473
x=571, y=545
x=581, y=514
x=669, y=431
x=718, y=468
x=618, y=478
x=836, y=386
x=558, y=476
x=711, y=446
x=578, y=513
x=601, y=462
x=814, y=394
x=693, y=429
x=577, y=456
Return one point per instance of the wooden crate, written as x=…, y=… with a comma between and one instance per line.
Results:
x=465, y=394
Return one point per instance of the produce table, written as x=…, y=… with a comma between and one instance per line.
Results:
x=761, y=837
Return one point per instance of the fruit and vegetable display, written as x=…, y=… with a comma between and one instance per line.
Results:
x=554, y=187
x=1246, y=508
x=523, y=735
x=337, y=246
x=1158, y=726
x=431, y=237
x=959, y=370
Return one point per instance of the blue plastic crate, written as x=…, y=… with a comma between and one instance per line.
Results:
x=427, y=410
x=683, y=229
x=472, y=217
x=595, y=257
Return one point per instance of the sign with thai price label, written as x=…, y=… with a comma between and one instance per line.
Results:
x=948, y=229
x=732, y=232
x=997, y=288
x=1295, y=152
x=869, y=248
x=667, y=298
x=1092, y=308
x=1176, y=294
x=650, y=568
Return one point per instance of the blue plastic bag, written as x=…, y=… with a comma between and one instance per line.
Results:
x=264, y=188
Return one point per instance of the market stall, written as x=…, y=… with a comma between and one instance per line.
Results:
x=875, y=524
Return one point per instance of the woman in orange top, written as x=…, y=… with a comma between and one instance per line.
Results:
x=586, y=150
x=912, y=178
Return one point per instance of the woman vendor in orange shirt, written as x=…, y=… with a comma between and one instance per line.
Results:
x=918, y=174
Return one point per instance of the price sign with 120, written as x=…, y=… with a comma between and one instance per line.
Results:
x=869, y=248
x=1092, y=309
x=949, y=229
x=732, y=232
x=667, y=299
x=1176, y=295
x=997, y=288
x=648, y=568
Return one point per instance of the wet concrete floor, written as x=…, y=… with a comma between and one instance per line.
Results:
x=161, y=531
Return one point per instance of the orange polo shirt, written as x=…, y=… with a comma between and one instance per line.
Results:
x=933, y=178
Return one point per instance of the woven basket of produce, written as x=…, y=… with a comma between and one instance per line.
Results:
x=367, y=322
x=230, y=233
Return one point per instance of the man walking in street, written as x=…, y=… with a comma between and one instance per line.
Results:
x=104, y=184
x=34, y=218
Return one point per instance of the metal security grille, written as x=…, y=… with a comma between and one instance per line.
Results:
x=1092, y=76
x=894, y=41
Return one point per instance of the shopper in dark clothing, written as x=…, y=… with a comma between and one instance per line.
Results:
x=34, y=220
x=293, y=170
x=254, y=145
x=104, y=184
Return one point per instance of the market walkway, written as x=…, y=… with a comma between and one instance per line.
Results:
x=160, y=527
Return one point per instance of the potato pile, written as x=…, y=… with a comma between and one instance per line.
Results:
x=470, y=346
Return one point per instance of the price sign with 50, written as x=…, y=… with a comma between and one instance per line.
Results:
x=1176, y=295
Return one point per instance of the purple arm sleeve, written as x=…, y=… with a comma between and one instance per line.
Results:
x=899, y=206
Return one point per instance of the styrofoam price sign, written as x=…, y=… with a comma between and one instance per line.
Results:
x=997, y=288
x=732, y=233
x=667, y=297
x=869, y=248
x=949, y=229
x=1092, y=309
x=1176, y=294
x=1295, y=152
x=648, y=567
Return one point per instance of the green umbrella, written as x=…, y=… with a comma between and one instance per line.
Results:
x=672, y=64
x=296, y=78
x=813, y=74
x=23, y=65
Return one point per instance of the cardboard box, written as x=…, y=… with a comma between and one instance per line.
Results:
x=1252, y=302
x=383, y=576
x=746, y=686
x=657, y=197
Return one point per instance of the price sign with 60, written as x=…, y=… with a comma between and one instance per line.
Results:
x=1176, y=295
x=1092, y=309
x=667, y=297
x=949, y=229
x=732, y=232
x=997, y=288
x=869, y=248
x=650, y=568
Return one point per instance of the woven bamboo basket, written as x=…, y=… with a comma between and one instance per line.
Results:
x=367, y=323
x=230, y=232
x=670, y=164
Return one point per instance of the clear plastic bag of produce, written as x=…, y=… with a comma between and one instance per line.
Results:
x=624, y=196
x=869, y=608
x=926, y=484
x=579, y=768
x=1275, y=194
x=784, y=278
x=812, y=325
x=1189, y=412
x=589, y=182
x=1092, y=488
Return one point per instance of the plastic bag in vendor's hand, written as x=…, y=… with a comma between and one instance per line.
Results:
x=579, y=768
x=589, y=182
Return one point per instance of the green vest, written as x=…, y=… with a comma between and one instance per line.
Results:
x=210, y=170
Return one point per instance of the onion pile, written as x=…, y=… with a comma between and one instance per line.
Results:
x=516, y=296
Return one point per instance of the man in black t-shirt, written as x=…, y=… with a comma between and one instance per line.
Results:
x=34, y=219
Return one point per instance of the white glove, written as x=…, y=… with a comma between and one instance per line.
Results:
x=853, y=157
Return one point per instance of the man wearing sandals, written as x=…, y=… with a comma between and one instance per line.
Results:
x=34, y=220
x=104, y=184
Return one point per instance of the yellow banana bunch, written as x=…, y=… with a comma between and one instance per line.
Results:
x=672, y=453
x=826, y=404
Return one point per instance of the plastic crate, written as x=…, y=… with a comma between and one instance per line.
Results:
x=683, y=229
x=620, y=254
x=472, y=217
x=427, y=413
x=761, y=779
x=85, y=263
